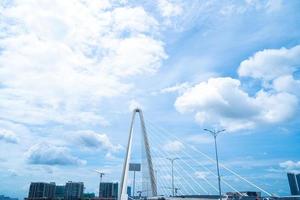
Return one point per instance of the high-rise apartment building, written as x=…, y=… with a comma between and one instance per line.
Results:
x=59, y=191
x=108, y=190
x=40, y=190
x=294, y=188
x=73, y=190
x=298, y=182
x=2, y=197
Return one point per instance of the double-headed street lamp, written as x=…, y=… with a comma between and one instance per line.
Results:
x=172, y=162
x=215, y=134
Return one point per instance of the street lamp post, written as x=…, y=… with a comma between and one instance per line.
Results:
x=172, y=162
x=215, y=133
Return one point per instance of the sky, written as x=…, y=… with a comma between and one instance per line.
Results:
x=72, y=71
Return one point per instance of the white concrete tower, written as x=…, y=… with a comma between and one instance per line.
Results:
x=123, y=184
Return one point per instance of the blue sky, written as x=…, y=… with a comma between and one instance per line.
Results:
x=71, y=72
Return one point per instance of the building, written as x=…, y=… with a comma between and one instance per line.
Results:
x=293, y=197
x=108, y=190
x=59, y=191
x=73, y=190
x=40, y=190
x=129, y=191
x=89, y=195
x=2, y=197
x=298, y=182
x=244, y=195
x=293, y=183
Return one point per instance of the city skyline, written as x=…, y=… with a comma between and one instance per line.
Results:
x=71, y=72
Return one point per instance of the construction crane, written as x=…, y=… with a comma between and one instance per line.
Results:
x=101, y=175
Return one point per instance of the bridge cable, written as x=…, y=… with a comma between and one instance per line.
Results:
x=165, y=170
x=179, y=174
x=162, y=181
x=222, y=165
x=205, y=168
x=198, y=184
x=222, y=180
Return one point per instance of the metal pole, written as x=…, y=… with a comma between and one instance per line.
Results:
x=217, y=159
x=215, y=134
x=172, y=177
x=133, y=188
x=172, y=173
x=100, y=185
x=156, y=177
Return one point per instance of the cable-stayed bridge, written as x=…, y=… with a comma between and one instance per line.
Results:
x=171, y=168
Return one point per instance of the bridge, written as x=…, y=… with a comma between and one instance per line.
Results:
x=178, y=174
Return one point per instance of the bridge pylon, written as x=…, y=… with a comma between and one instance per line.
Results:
x=123, y=185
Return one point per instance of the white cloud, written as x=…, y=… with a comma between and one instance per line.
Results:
x=288, y=84
x=218, y=100
x=168, y=8
x=221, y=101
x=110, y=156
x=217, y=94
x=133, y=19
x=173, y=146
x=60, y=56
x=134, y=56
x=50, y=154
x=61, y=61
x=201, y=174
x=293, y=166
x=276, y=107
x=90, y=139
x=271, y=63
x=8, y=136
x=242, y=7
x=176, y=88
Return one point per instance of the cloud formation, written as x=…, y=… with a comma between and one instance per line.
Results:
x=168, y=8
x=92, y=140
x=201, y=174
x=176, y=88
x=50, y=154
x=290, y=165
x=223, y=102
x=173, y=146
x=8, y=136
x=270, y=64
x=58, y=56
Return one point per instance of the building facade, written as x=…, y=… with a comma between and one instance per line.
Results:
x=59, y=191
x=73, y=190
x=298, y=182
x=108, y=190
x=294, y=188
x=40, y=190
x=2, y=197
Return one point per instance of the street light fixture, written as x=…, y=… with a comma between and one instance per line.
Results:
x=172, y=162
x=215, y=133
